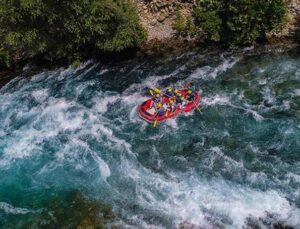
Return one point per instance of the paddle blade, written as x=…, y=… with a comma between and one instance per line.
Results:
x=155, y=123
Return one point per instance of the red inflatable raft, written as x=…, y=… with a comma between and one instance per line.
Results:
x=147, y=111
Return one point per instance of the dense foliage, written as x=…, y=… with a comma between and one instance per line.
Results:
x=239, y=22
x=67, y=29
x=184, y=27
x=4, y=59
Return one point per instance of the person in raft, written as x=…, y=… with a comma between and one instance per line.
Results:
x=172, y=105
x=177, y=96
x=160, y=109
x=191, y=95
x=170, y=92
x=183, y=102
x=175, y=99
x=191, y=91
x=180, y=99
x=157, y=98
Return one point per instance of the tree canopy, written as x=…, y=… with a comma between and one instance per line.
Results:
x=239, y=22
x=234, y=22
x=67, y=29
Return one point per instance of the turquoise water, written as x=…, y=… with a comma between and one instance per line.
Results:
x=76, y=130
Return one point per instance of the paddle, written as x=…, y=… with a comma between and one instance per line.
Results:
x=167, y=113
x=196, y=106
x=156, y=115
x=155, y=123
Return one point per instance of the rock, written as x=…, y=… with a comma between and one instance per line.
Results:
x=161, y=18
x=153, y=22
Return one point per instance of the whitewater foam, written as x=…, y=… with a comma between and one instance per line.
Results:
x=103, y=167
x=216, y=100
x=40, y=95
x=208, y=72
x=195, y=202
x=10, y=209
x=172, y=123
x=102, y=103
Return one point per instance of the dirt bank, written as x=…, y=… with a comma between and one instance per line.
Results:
x=157, y=16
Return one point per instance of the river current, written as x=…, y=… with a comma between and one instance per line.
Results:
x=236, y=164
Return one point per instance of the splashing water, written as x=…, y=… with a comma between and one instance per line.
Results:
x=235, y=164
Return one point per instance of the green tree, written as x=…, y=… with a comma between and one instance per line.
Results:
x=68, y=29
x=239, y=22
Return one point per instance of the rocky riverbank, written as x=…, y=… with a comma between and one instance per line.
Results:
x=157, y=17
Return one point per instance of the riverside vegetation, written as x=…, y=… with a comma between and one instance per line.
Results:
x=70, y=31
x=66, y=30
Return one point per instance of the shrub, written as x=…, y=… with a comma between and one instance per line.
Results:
x=239, y=22
x=190, y=26
x=179, y=23
x=184, y=26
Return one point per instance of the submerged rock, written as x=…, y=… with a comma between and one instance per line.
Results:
x=73, y=211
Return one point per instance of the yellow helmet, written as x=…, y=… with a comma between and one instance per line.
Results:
x=182, y=97
x=157, y=90
x=190, y=91
x=169, y=89
x=176, y=91
x=159, y=105
x=157, y=95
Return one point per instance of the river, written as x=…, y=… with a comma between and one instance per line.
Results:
x=235, y=164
